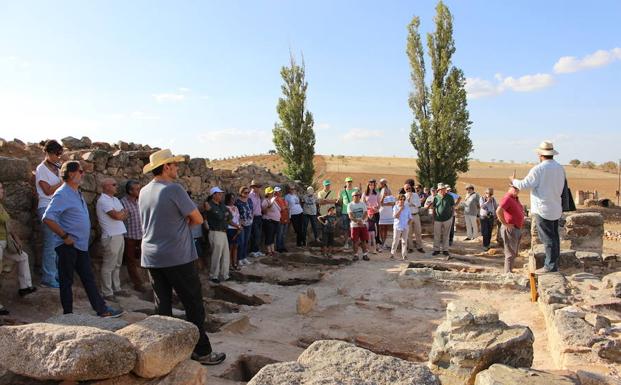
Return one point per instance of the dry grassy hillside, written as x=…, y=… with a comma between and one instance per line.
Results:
x=396, y=170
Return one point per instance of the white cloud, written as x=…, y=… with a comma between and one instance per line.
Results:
x=361, y=134
x=477, y=87
x=600, y=58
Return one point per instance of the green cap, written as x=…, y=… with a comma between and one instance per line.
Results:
x=326, y=182
x=349, y=179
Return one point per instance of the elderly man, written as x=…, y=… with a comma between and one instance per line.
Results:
x=415, y=230
x=168, y=250
x=546, y=181
x=111, y=214
x=257, y=219
x=218, y=219
x=510, y=213
x=444, y=208
x=487, y=213
x=471, y=212
x=67, y=217
x=133, y=238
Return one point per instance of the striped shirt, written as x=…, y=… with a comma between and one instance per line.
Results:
x=132, y=223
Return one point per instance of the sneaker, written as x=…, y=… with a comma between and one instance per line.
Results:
x=421, y=250
x=111, y=313
x=28, y=290
x=435, y=253
x=214, y=280
x=365, y=257
x=404, y=258
x=54, y=285
x=486, y=248
x=122, y=293
x=212, y=358
x=543, y=270
x=378, y=249
x=355, y=258
x=259, y=254
x=392, y=256
x=242, y=262
x=467, y=239
x=111, y=298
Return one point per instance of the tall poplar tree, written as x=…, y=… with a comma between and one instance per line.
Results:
x=294, y=136
x=440, y=132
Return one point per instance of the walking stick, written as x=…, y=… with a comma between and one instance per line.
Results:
x=533, y=287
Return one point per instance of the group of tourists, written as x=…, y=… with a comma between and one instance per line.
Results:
x=158, y=227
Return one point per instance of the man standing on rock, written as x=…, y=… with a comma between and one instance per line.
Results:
x=444, y=208
x=218, y=219
x=168, y=250
x=546, y=181
x=257, y=219
x=67, y=217
x=111, y=214
x=511, y=214
x=133, y=238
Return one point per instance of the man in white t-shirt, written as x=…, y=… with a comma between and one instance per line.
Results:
x=358, y=216
x=111, y=214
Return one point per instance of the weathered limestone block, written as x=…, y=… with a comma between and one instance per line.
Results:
x=61, y=352
x=187, y=372
x=89, y=182
x=585, y=231
x=72, y=143
x=306, y=302
x=418, y=277
x=98, y=157
x=498, y=374
x=613, y=281
x=110, y=324
x=553, y=288
x=472, y=338
x=567, y=257
x=161, y=343
x=608, y=349
x=337, y=362
x=574, y=333
x=591, y=378
x=197, y=166
x=598, y=321
x=13, y=169
x=589, y=259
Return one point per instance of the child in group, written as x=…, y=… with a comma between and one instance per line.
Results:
x=372, y=228
x=329, y=229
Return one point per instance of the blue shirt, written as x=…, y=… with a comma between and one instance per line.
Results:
x=68, y=209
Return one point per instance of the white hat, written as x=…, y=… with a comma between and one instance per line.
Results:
x=310, y=189
x=215, y=189
x=546, y=148
x=277, y=189
x=441, y=186
x=159, y=158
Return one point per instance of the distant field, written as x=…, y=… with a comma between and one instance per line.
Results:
x=396, y=170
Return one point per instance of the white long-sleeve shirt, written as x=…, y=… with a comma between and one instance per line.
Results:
x=546, y=181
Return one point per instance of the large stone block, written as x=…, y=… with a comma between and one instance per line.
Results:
x=553, y=288
x=111, y=324
x=59, y=352
x=498, y=374
x=72, y=143
x=477, y=340
x=337, y=362
x=161, y=343
x=13, y=169
x=585, y=219
x=613, y=281
x=185, y=373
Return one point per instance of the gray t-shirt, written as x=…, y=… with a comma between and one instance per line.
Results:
x=167, y=239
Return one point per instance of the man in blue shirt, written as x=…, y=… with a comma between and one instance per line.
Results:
x=67, y=217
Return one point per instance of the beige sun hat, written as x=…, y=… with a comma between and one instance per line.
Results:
x=159, y=158
x=546, y=148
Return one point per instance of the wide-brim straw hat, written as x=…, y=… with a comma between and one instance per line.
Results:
x=546, y=148
x=159, y=158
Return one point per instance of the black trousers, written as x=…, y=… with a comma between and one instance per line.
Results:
x=487, y=226
x=255, y=235
x=184, y=280
x=298, y=224
x=72, y=260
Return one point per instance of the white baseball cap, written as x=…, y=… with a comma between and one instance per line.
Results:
x=215, y=189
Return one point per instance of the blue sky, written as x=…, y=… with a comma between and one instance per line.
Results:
x=203, y=77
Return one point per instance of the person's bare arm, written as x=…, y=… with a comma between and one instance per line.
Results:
x=195, y=218
x=500, y=215
x=118, y=215
x=47, y=189
x=56, y=229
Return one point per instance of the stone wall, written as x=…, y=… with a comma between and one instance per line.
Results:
x=121, y=161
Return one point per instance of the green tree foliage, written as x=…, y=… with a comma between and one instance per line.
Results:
x=609, y=166
x=440, y=132
x=294, y=136
x=575, y=162
x=588, y=164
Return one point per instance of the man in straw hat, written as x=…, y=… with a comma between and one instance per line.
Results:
x=444, y=207
x=546, y=181
x=168, y=251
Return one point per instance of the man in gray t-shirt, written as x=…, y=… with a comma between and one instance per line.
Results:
x=168, y=250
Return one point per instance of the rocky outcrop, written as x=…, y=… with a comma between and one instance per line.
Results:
x=306, y=302
x=498, y=374
x=161, y=343
x=472, y=338
x=111, y=324
x=613, y=281
x=418, y=277
x=336, y=362
x=187, y=372
x=59, y=352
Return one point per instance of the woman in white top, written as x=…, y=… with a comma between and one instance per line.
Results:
x=296, y=213
x=47, y=181
x=387, y=201
x=234, y=229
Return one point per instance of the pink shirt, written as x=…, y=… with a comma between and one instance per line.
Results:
x=256, y=203
x=272, y=212
x=372, y=202
x=513, y=212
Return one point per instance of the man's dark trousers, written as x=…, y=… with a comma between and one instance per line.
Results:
x=71, y=259
x=184, y=280
x=255, y=235
x=549, y=236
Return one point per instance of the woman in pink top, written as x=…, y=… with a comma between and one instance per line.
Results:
x=371, y=199
x=271, y=218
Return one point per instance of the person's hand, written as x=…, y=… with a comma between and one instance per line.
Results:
x=69, y=241
x=512, y=177
x=509, y=227
x=207, y=206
